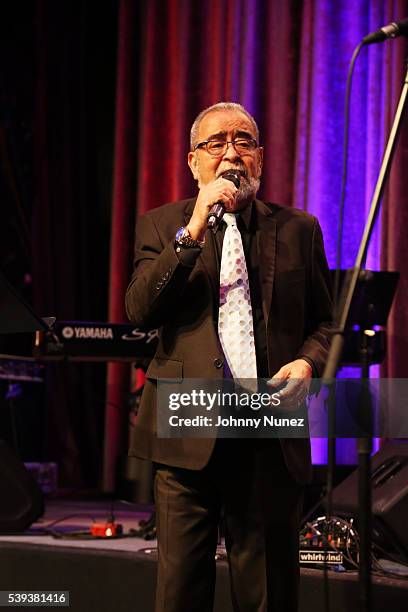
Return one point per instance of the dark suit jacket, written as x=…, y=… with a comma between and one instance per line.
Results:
x=183, y=301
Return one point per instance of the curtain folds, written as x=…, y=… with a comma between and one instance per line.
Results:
x=122, y=233
x=287, y=63
x=70, y=217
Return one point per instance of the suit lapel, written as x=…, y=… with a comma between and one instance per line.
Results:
x=266, y=243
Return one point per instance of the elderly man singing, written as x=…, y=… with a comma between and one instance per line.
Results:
x=182, y=279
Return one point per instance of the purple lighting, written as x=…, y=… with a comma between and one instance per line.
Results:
x=326, y=52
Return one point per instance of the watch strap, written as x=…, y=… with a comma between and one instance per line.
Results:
x=184, y=239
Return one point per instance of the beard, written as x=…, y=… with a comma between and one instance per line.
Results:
x=248, y=187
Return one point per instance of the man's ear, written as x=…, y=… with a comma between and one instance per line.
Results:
x=193, y=163
x=260, y=160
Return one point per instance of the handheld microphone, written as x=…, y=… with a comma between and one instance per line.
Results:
x=217, y=210
x=392, y=30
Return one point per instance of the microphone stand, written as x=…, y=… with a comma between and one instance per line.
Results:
x=349, y=288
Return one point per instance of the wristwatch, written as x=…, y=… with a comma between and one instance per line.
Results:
x=184, y=239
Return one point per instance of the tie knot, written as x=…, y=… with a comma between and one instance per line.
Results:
x=230, y=219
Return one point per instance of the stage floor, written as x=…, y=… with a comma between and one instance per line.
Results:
x=116, y=575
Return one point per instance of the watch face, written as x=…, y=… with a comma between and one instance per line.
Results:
x=180, y=234
x=183, y=238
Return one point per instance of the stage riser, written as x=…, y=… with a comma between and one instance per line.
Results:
x=109, y=581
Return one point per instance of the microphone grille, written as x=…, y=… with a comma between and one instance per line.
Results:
x=233, y=176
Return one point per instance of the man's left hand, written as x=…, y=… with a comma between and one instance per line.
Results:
x=296, y=377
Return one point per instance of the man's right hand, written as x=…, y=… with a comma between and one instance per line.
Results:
x=218, y=190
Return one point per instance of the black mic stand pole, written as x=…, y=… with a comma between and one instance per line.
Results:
x=350, y=283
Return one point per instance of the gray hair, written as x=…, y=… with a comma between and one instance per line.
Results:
x=220, y=106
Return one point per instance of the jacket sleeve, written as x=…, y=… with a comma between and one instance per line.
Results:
x=320, y=308
x=158, y=279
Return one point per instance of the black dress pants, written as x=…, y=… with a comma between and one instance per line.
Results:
x=249, y=480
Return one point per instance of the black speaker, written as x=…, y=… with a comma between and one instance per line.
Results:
x=389, y=485
x=21, y=499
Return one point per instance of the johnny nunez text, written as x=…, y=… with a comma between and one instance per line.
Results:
x=252, y=422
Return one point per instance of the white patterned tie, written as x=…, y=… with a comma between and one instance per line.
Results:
x=235, y=323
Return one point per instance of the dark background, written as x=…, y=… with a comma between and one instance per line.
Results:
x=57, y=103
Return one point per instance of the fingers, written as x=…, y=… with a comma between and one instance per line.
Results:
x=279, y=378
x=292, y=388
x=223, y=191
x=294, y=393
x=218, y=190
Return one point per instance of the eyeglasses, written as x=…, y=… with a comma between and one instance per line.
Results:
x=218, y=148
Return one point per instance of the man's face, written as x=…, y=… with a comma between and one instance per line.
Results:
x=227, y=125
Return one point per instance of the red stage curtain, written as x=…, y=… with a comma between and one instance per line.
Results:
x=260, y=53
